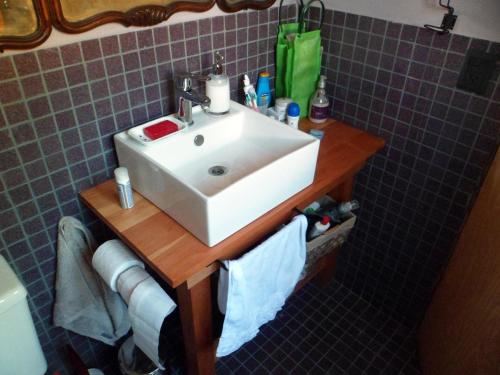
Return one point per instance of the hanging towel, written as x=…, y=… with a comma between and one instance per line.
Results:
x=84, y=303
x=148, y=307
x=255, y=287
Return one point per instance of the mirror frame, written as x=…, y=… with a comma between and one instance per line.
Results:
x=50, y=13
x=34, y=39
x=230, y=7
x=146, y=15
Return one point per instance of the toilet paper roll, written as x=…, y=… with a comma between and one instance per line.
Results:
x=128, y=280
x=111, y=259
x=148, y=307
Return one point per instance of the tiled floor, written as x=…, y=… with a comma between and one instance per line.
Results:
x=326, y=331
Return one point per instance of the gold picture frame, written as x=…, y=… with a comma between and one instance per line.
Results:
x=23, y=23
x=75, y=16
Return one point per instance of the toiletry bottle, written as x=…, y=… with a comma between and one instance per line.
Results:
x=319, y=228
x=338, y=213
x=124, y=188
x=293, y=115
x=263, y=92
x=250, y=95
x=217, y=87
x=280, y=105
x=312, y=208
x=319, y=105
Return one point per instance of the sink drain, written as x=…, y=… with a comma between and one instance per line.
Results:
x=217, y=170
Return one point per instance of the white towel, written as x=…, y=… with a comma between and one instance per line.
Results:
x=148, y=307
x=84, y=303
x=255, y=287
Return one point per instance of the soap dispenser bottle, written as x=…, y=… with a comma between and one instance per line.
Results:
x=217, y=87
x=319, y=106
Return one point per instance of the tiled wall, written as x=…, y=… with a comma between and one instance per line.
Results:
x=398, y=81
x=59, y=110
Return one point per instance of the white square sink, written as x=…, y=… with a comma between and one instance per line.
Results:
x=247, y=164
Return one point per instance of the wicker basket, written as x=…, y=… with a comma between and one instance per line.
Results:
x=327, y=242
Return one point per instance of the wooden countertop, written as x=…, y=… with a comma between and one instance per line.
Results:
x=177, y=255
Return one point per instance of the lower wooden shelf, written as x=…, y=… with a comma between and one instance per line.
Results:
x=186, y=264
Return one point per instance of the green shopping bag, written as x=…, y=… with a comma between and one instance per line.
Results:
x=298, y=60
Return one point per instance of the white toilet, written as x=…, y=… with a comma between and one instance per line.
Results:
x=20, y=351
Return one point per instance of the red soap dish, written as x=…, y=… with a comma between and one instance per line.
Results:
x=156, y=130
x=160, y=129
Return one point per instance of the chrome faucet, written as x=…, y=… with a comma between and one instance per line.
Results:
x=187, y=96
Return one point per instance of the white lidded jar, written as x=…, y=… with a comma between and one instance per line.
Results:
x=319, y=106
x=217, y=88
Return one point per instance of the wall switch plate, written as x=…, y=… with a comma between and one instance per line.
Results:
x=477, y=71
x=449, y=20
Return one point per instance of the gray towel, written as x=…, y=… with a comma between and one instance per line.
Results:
x=84, y=303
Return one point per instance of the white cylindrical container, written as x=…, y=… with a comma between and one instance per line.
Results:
x=218, y=92
x=319, y=228
x=124, y=187
x=20, y=351
x=280, y=106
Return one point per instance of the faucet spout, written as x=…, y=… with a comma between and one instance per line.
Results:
x=188, y=96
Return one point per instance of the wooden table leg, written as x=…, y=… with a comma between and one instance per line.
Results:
x=324, y=277
x=341, y=194
x=195, y=307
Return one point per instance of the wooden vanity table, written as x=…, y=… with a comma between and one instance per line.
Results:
x=186, y=264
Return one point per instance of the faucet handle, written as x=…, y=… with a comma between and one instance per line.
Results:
x=200, y=77
x=185, y=81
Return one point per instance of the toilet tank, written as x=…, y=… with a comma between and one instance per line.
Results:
x=20, y=351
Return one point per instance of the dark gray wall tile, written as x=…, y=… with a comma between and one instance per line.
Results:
x=429, y=168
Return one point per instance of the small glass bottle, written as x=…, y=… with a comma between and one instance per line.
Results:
x=319, y=106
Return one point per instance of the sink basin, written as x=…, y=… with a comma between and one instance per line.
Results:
x=221, y=173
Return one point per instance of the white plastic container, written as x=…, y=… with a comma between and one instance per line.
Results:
x=319, y=228
x=271, y=112
x=124, y=187
x=20, y=351
x=280, y=106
